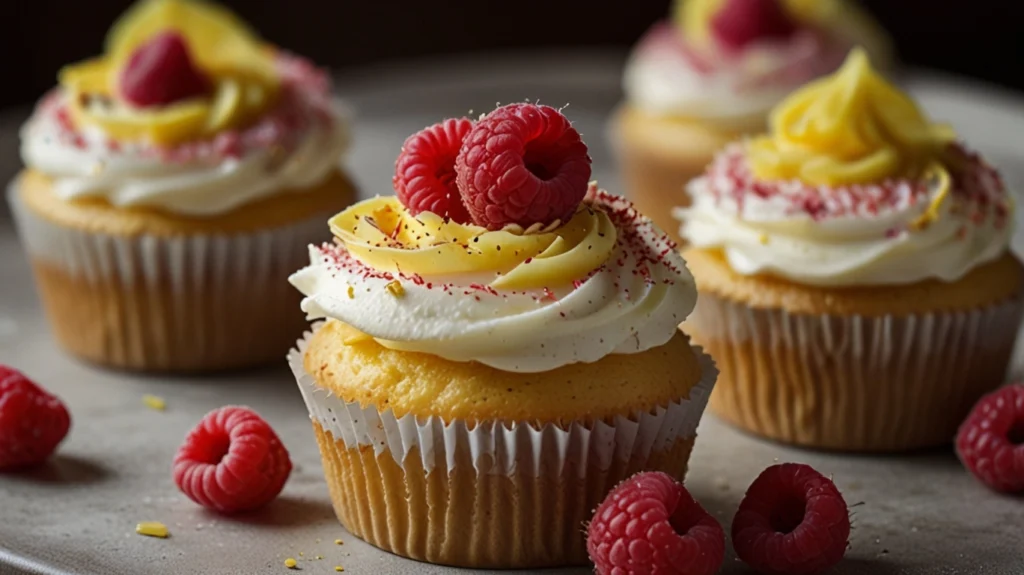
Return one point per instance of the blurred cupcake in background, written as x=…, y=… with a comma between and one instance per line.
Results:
x=857, y=287
x=712, y=74
x=171, y=184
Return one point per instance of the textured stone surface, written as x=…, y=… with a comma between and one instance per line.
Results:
x=916, y=514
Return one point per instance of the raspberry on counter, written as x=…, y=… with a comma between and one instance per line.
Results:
x=232, y=461
x=32, y=421
x=792, y=521
x=990, y=442
x=651, y=524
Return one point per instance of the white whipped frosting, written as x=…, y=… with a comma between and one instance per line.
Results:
x=613, y=310
x=663, y=77
x=131, y=175
x=860, y=247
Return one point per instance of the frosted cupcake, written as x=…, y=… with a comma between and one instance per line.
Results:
x=500, y=348
x=712, y=74
x=856, y=284
x=171, y=184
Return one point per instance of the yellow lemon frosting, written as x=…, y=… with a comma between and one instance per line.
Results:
x=851, y=128
x=383, y=234
x=239, y=65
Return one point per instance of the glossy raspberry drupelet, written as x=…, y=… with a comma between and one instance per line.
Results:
x=522, y=164
x=651, y=524
x=424, y=177
x=232, y=461
x=991, y=440
x=32, y=421
x=741, y=22
x=161, y=72
x=792, y=521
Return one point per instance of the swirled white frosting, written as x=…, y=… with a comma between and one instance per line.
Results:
x=199, y=179
x=632, y=303
x=666, y=77
x=863, y=235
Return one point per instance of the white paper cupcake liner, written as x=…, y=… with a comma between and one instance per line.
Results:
x=504, y=448
x=854, y=382
x=168, y=302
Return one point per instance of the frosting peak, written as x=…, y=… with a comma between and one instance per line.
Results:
x=851, y=128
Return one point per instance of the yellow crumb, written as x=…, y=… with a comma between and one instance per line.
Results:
x=395, y=288
x=339, y=542
x=301, y=553
x=154, y=402
x=763, y=239
x=152, y=529
x=351, y=292
x=339, y=568
x=290, y=563
x=319, y=557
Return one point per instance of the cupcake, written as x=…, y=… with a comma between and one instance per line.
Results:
x=170, y=186
x=712, y=74
x=499, y=348
x=857, y=289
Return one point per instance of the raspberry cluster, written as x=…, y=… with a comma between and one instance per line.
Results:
x=792, y=521
x=522, y=164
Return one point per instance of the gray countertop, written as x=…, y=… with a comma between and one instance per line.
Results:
x=916, y=514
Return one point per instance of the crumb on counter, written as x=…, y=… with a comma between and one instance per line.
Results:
x=152, y=529
x=291, y=563
x=154, y=402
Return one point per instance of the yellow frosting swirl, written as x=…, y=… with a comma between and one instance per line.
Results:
x=382, y=234
x=851, y=128
x=225, y=50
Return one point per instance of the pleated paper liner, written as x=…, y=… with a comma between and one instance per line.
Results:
x=887, y=383
x=183, y=303
x=487, y=494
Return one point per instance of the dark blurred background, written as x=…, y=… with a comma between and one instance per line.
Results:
x=979, y=38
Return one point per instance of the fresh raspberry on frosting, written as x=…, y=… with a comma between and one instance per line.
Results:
x=741, y=22
x=162, y=72
x=32, y=421
x=424, y=177
x=522, y=164
x=792, y=521
x=232, y=461
x=991, y=440
x=651, y=524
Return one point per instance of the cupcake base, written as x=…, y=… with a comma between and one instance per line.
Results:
x=140, y=289
x=491, y=493
x=850, y=381
x=515, y=521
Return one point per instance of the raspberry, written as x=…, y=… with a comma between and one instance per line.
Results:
x=425, y=170
x=32, y=422
x=792, y=521
x=522, y=164
x=740, y=22
x=162, y=72
x=651, y=524
x=232, y=461
x=991, y=440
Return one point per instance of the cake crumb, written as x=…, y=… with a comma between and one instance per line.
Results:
x=351, y=292
x=339, y=568
x=339, y=542
x=291, y=563
x=153, y=402
x=152, y=529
